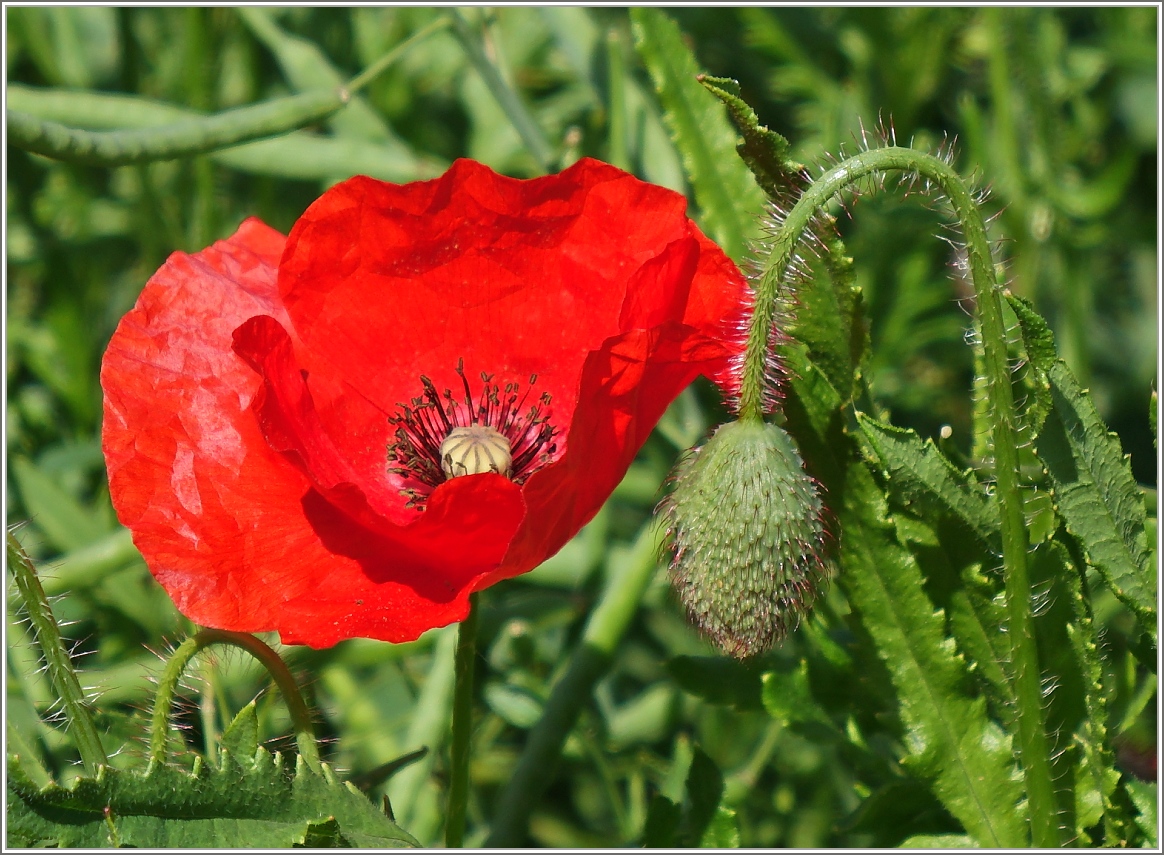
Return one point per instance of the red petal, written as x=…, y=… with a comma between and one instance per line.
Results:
x=228, y=525
x=386, y=282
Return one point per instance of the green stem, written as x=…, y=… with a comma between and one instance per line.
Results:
x=383, y=63
x=629, y=576
x=510, y=103
x=168, y=685
x=56, y=658
x=1033, y=746
x=465, y=661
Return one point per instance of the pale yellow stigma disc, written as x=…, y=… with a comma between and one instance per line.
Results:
x=475, y=449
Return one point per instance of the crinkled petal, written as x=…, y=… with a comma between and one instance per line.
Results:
x=234, y=531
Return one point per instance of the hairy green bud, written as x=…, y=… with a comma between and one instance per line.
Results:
x=748, y=537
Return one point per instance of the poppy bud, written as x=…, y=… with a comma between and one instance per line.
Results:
x=746, y=524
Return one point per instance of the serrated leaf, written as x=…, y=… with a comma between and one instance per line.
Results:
x=764, y=151
x=923, y=474
x=263, y=805
x=966, y=757
x=1096, y=494
x=730, y=201
x=1039, y=343
x=1145, y=796
x=718, y=680
x=240, y=740
x=952, y=742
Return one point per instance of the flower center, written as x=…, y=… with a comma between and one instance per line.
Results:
x=476, y=449
x=441, y=436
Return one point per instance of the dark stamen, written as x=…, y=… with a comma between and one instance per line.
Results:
x=421, y=428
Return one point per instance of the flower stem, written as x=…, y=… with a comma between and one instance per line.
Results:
x=464, y=663
x=1032, y=742
x=56, y=658
x=168, y=684
x=630, y=573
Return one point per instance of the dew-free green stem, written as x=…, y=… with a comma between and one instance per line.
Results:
x=168, y=685
x=56, y=658
x=464, y=663
x=508, y=99
x=1033, y=746
x=607, y=625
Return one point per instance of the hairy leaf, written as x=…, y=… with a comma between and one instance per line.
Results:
x=240, y=804
x=1093, y=486
x=1096, y=494
x=951, y=741
x=763, y=150
x=923, y=474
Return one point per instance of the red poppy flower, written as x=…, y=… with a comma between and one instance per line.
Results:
x=424, y=389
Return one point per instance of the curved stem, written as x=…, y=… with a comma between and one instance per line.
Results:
x=1033, y=746
x=465, y=660
x=168, y=684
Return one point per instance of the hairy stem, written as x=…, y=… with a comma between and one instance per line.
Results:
x=1033, y=746
x=168, y=685
x=56, y=658
x=465, y=661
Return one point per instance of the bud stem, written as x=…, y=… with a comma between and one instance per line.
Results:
x=1033, y=746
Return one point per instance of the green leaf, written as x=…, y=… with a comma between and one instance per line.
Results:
x=729, y=198
x=704, y=792
x=513, y=704
x=1145, y=796
x=722, y=832
x=953, y=743
x=1094, y=490
x=788, y=699
x=241, y=738
x=763, y=150
x=306, y=68
x=937, y=841
x=1096, y=494
x=65, y=523
x=662, y=825
x=259, y=805
x=719, y=680
x=829, y=316
x=919, y=472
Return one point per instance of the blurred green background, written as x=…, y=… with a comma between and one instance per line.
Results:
x=1055, y=109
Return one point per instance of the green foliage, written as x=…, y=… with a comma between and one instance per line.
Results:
x=247, y=801
x=728, y=195
x=889, y=717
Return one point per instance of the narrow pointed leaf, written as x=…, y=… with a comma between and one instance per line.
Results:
x=1096, y=494
x=764, y=151
x=727, y=193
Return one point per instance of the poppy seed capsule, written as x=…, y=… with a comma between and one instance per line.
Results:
x=747, y=533
x=476, y=449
